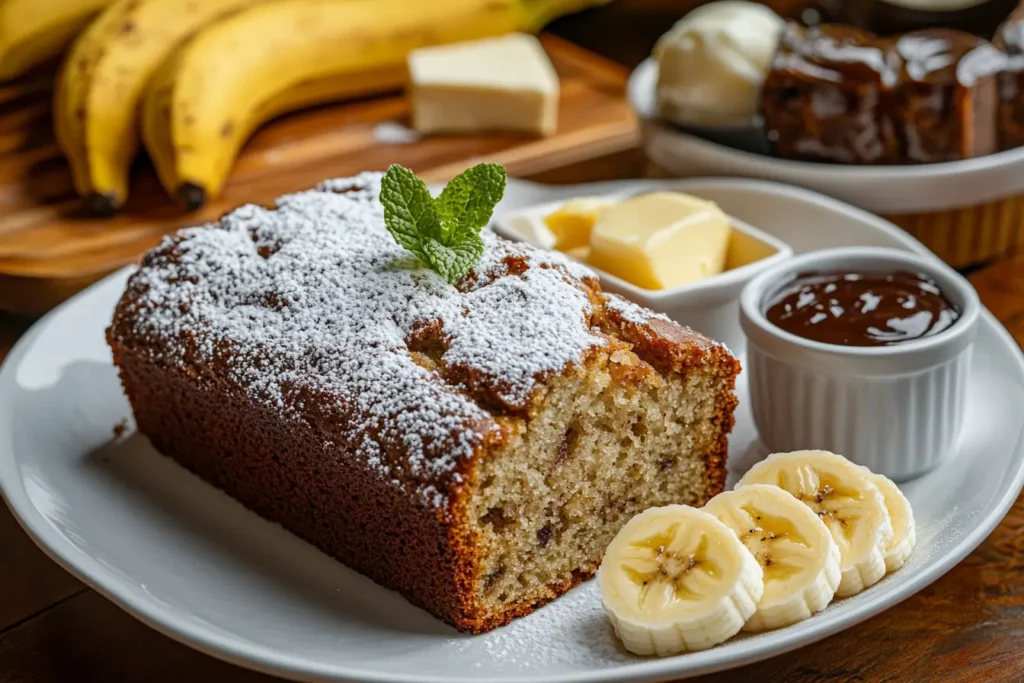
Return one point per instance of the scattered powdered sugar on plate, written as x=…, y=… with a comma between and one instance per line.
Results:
x=315, y=298
x=572, y=631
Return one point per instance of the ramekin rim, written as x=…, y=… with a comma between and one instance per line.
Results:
x=959, y=288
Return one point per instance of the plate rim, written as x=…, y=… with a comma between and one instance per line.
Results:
x=78, y=563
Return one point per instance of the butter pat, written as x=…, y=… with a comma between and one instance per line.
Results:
x=661, y=240
x=495, y=84
x=572, y=222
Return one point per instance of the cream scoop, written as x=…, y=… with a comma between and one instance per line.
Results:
x=713, y=62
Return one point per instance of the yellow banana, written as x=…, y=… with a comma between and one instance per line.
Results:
x=156, y=115
x=102, y=79
x=222, y=82
x=33, y=32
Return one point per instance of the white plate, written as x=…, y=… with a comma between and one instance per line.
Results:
x=187, y=560
x=882, y=189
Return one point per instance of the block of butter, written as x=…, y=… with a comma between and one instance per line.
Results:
x=572, y=222
x=505, y=83
x=661, y=240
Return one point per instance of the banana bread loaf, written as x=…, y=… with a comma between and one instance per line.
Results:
x=474, y=447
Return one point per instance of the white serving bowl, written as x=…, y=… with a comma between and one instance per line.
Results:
x=895, y=409
x=710, y=306
x=911, y=188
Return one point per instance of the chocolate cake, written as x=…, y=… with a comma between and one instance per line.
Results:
x=838, y=94
x=824, y=93
x=944, y=104
x=1010, y=39
x=474, y=447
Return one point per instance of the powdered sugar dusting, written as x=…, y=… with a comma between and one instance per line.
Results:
x=638, y=315
x=632, y=312
x=315, y=299
x=509, y=309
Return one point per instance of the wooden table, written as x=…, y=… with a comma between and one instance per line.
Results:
x=968, y=626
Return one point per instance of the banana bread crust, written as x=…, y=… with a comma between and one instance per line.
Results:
x=382, y=485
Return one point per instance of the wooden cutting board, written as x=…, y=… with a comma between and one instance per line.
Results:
x=50, y=249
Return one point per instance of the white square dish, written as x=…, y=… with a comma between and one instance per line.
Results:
x=710, y=306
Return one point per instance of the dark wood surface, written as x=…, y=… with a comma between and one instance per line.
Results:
x=967, y=627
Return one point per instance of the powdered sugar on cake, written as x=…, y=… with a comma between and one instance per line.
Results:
x=638, y=315
x=315, y=298
x=632, y=312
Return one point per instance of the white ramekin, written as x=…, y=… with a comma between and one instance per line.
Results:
x=894, y=409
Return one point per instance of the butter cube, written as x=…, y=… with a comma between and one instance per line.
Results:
x=572, y=222
x=505, y=83
x=661, y=240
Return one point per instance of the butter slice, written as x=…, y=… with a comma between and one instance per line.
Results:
x=505, y=83
x=572, y=222
x=661, y=240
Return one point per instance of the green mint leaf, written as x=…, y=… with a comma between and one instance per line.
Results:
x=468, y=200
x=455, y=260
x=409, y=212
x=444, y=232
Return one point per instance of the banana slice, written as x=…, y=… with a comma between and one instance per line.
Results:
x=676, y=579
x=902, y=517
x=793, y=546
x=845, y=499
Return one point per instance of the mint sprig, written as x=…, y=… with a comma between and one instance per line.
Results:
x=444, y=232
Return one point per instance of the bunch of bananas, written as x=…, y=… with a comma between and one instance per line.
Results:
x=192, y=79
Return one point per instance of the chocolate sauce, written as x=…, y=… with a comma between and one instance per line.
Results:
x=861, y=309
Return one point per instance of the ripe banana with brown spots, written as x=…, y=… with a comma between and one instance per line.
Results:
x=102, y=79
x=279, y=56
x=157, y=107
